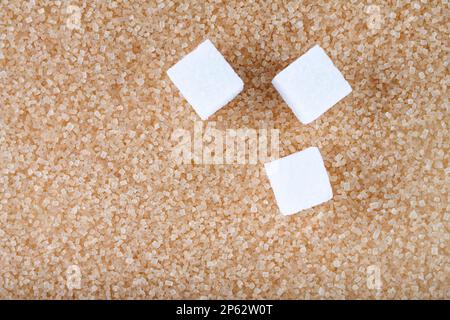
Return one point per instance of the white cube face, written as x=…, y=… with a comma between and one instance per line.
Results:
x=299, y=181
x=311, y=85
x=205, y=79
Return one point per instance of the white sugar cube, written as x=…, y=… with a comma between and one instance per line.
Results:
x=299, y=181
x=205, y=79
x=311, y=85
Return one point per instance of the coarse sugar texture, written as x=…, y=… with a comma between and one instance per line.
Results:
x=311, y=85
x=299, y=181
x=205, y=79
x=89, y=190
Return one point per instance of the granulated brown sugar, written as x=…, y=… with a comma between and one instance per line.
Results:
x=88, y=187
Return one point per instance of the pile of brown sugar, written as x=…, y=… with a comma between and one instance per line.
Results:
x=92, y=205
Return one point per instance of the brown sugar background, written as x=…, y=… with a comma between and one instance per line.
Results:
x=86, y=177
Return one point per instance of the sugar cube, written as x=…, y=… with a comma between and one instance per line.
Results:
x=205, y=79
x=311, y=85
x=299, y=181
